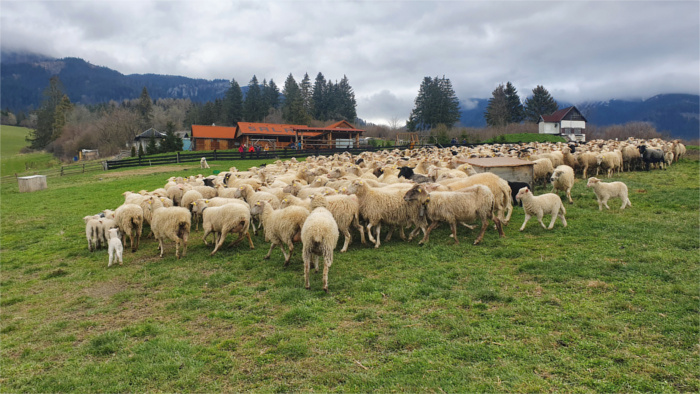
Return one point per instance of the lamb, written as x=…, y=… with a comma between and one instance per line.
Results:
x=203, y=163
x=384, y=205
x=605, y=191
x=563, y=179
x=172, y=223
x=539, y=205
x=346, y=212
x=282, y=226
x=116, y=249
x=92, y=232
x=466, y=205
x=319, y=236
x=515, y=187
x=129, y=219
x=229, y=218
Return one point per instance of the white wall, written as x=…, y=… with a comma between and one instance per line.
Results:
x=548, y=128
x=573, y=124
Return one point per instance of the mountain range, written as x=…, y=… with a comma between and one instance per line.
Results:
x=25, y=76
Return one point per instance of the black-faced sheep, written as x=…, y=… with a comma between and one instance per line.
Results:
x=651, y=156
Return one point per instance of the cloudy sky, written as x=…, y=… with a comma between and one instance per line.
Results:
x=578, y=50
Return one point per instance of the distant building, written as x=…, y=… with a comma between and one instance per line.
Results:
x=275, y=136
x=568, y=123
x=143, y=138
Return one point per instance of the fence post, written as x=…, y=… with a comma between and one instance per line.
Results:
x=83, y=168
x=214, y=154
x=61, y=170
x=177, y=154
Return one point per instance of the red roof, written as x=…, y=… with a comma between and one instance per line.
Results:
x=558, y=116
x=269, y=129
x=215, y=132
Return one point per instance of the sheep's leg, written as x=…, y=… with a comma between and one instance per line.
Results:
x=177, y=248
x=402, y=233
x=111, y=257
x=540, y=215
x=160, y=246
x=269, y=252
x=625, y=203
x=484, y=226
x=453, y=227
x=499, y=226
x=222, y=238
x=379, y=240
x=369, y=233
x=120, y=257
x=561, y=216
x=327, y=261
x=510, y=212
x=600, y=204
x=206, y=234
x=361, y=230
x=605, y=202
x=527, y=217
x=555, y=212
x=414, y=233
x=391, y=232
x=568, y=195
x=315, y=263
x=430, y=228
x=307, y=266
x=348, y=239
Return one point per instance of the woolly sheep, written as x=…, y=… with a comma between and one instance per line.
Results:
x=563, y=179
x=92, y=231
x=116, y=249
x=588, y=160
x=188, y=198
x=319, y=236
x=539, y=205
x=610, y=161
x=605, y=191
x=346, y=212
x=129, y=219
x=175, y=194
x=172, y=223
x=499, y=187
x=282, y=226
x=229, y=218
x=542, y=170
x=465, y=205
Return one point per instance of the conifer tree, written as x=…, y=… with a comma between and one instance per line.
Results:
x=293, y=107
x=253, y=105
x=497, y=112
x=233, y=104
x=541, y=103
x=319, y=98
x=54, y=100
x=306, y=93
x=515, y=107
x=435, y=104
x=145, y=109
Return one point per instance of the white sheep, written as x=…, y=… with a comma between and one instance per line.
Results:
x=116, y=249
x=282, y=226
x=229, y=218
x=203, y=163
x=563, y=179
x=499, y=187
x=463, y=206
x=92, y=231
x=605, y=191
x=188, y=198
x=542, y=170
x=172, y=223
x=319, y=236
x=346, y=212
x=129, y=219
x=539, y=205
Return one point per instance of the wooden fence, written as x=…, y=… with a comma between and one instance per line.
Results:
x=57, y=171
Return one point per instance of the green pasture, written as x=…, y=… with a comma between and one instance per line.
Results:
x=608, y=304
x=525, y=137
x=12, y=140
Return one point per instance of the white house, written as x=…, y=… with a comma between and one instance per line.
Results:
x=144, y=138
x=567, y=122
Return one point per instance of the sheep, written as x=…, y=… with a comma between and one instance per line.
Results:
x=319, y=236
x=206, y=191
x=148, y=205
x=542, y=170
x=539, y=205
x=129, y=219
x=499, y=187
x=651, y=156
x=203, y=163
x=515, y=187
x=563, y=179
x=175, y=194
x=465, y=205
x=252, y=197
x=383, y=205
x=172, y=223
x=291, y=199
x=588, y=160
x=223, y=191
x=116, y=249
x=228, y=218
x=92, y=231
x=282, y=226
x=106, y=224
x=346, y=212
x=408, y=173
x=605, y=191
x=610, y=161
x=188, y=198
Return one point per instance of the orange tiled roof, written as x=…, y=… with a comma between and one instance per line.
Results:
x=216, y=132
x=271, y=129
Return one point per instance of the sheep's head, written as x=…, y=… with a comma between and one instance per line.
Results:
x=521, y=193
x=417, y=193
x=592, y=181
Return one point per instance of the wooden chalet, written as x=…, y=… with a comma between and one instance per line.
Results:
x=275, y=136
x=567, y=122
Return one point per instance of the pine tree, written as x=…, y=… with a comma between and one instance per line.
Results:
x=319, y=98
x=497, y=113
x=45, y=130
x=272, y=95
x=253, y=105
x=145, y=109
x=435, y=104
x=233, y=104
x=306, y=93
x=515, y=107
x=293, y=106
x=347, y=104
x=541, y=103
x=171, y=142
x=152, y=147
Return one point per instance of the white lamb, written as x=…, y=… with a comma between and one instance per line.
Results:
x=282, y=226
x=319, y=236
x=605, y=191
x=539, y=205
x=563, y=179
x=116, y=249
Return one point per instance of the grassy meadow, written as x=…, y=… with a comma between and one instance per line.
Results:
x=12, y=140
x=609, y=303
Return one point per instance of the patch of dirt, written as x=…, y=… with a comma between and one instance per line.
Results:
x=105, y=290
x=146, y=170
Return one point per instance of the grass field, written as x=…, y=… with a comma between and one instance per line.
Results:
x=609, y=303
x=12, y=139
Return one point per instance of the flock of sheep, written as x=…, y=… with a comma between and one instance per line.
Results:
x=317, y=200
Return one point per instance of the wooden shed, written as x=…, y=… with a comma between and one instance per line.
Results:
x=508, y=168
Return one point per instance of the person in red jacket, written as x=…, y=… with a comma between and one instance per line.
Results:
x=241, y=150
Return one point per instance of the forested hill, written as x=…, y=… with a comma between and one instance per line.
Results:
x=677, y=114
x=24, y=78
